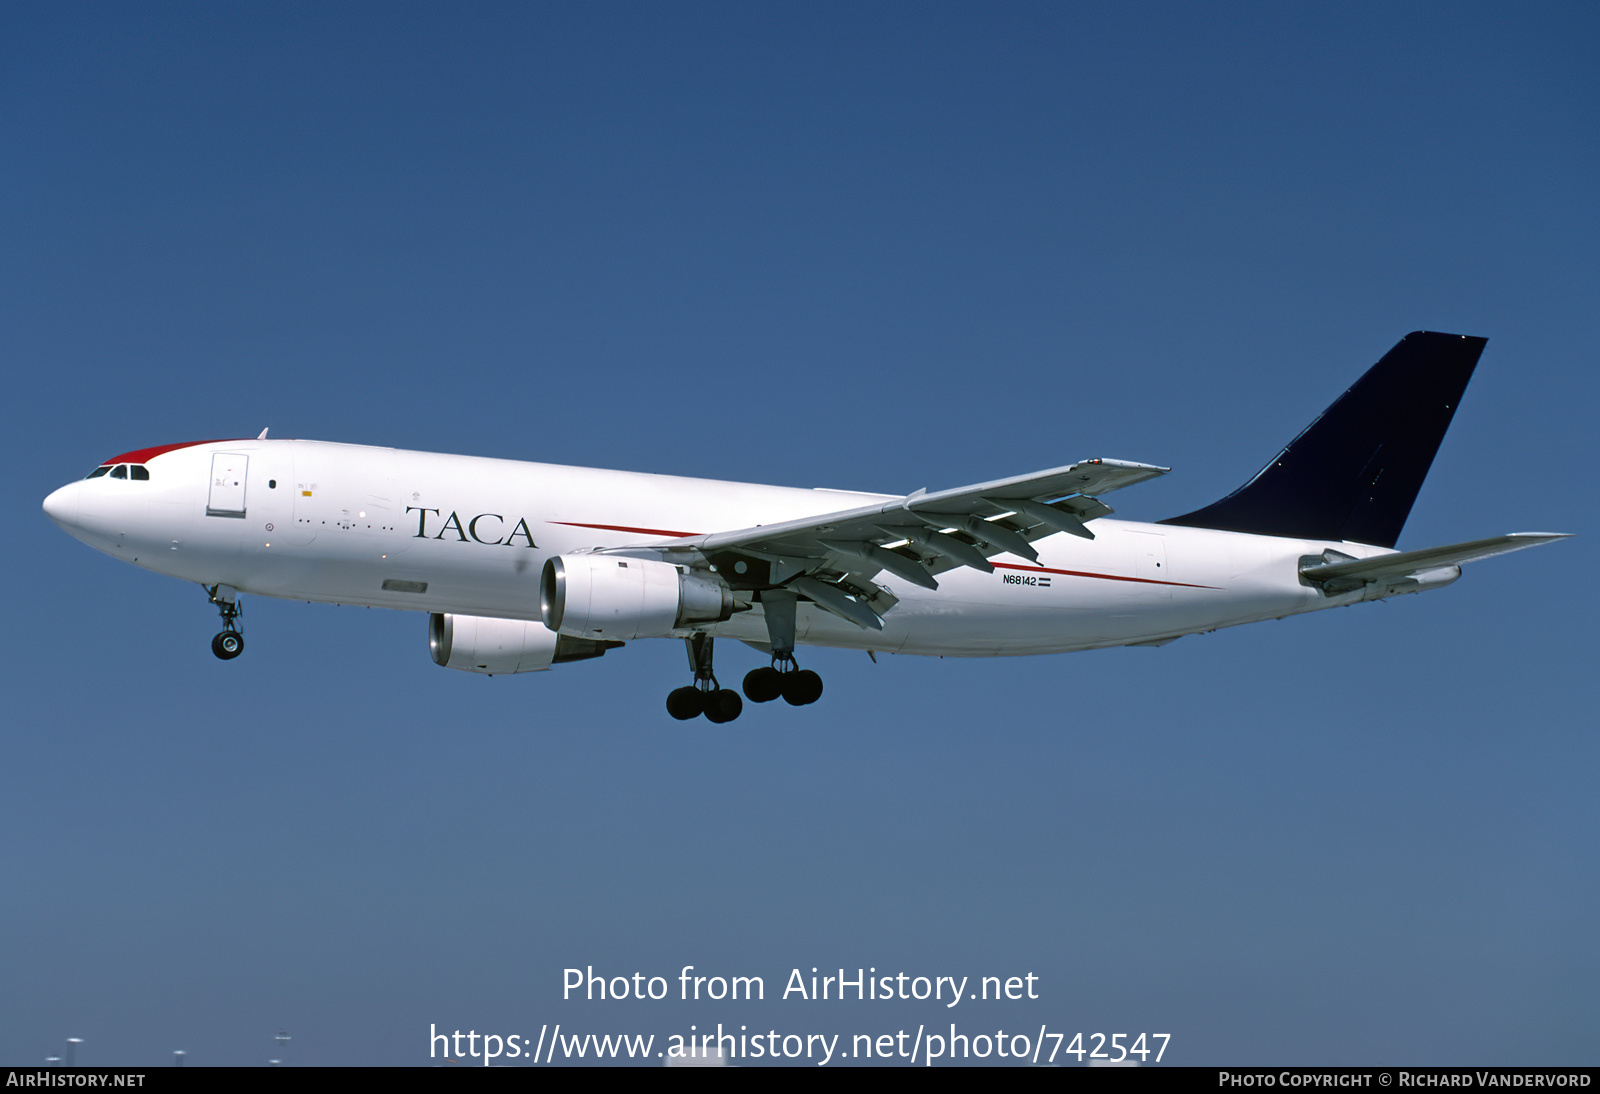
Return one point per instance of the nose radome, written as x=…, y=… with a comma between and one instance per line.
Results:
x=62, y=505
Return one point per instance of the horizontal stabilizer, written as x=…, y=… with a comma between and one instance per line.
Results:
x=1338, y=575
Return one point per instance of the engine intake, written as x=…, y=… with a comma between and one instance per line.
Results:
x=475, y=643
x=606, y=597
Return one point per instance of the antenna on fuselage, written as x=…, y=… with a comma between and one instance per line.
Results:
x=263, y=434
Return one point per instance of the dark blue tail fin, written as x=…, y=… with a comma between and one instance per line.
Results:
x=1354, y=473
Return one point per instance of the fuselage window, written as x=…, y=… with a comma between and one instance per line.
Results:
x=120, y=471
x=139, y=471
x=97, y=472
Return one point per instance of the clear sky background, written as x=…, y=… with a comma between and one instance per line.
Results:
x=877, y=247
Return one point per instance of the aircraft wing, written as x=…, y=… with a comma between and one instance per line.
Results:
x=1341, y=575
x=833, y=557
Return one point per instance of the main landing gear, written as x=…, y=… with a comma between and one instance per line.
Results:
x=705, y=695
x=228, y=643
x=799, y=687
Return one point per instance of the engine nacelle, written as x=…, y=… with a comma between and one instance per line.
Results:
x=475, y=643
x=606, y=597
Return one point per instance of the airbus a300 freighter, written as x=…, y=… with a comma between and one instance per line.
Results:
x=522, y=566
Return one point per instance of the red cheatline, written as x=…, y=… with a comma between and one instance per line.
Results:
x=997, y=565
x=1102, y=577
x=625, y=528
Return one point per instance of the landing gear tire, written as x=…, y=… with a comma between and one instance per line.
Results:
x=228, y=643
x=723, y=705
x=683, y=703
x=801, y=688
x=763, y=685
x=705, y=695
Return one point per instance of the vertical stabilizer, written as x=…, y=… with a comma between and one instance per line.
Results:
x=1354, y=473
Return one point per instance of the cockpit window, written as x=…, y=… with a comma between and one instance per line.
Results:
x=139, y=471
x=120, y=471
x=97, y=472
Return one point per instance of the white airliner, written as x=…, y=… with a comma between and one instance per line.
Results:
x=522, y=566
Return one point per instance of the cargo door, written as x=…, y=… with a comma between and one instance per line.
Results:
x=1150, y=564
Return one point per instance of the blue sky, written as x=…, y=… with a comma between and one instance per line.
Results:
x=876, y=247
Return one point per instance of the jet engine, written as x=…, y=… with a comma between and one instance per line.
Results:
x=475, y=643
x=606, y=597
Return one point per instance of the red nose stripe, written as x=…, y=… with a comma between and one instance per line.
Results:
x=144, y=455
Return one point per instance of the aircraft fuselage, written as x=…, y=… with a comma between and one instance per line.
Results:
x=387, y=528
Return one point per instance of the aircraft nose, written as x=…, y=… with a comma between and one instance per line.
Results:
x=62, y=505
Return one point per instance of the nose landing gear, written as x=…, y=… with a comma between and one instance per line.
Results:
x=228, y=643
x=705, y=695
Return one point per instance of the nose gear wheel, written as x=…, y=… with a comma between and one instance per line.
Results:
x=228, y=643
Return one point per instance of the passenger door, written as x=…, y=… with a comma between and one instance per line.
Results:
x=229, y=472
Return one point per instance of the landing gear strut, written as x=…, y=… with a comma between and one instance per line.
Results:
x=705, y=695
x=798, y=686
x=228, y=643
